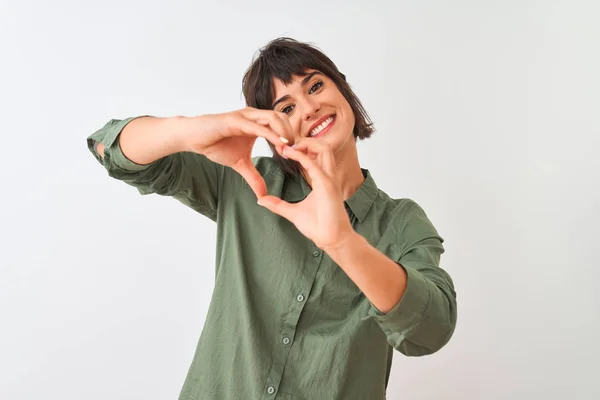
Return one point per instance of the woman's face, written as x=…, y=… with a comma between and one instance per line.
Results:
x=316, y=109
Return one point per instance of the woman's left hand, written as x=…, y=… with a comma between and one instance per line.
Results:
x=321, y=216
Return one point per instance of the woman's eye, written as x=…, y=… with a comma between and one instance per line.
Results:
x=287, y=109
x=315, y=87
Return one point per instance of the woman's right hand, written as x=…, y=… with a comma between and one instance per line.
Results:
x=229, y=138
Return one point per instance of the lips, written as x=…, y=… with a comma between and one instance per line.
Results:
x=319, y=122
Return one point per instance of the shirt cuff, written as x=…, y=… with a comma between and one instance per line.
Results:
x=113, y=154
x=410, y=309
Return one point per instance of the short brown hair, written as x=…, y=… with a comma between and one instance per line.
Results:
x=283, y=57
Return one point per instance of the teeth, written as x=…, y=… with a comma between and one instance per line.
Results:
x=319, y=128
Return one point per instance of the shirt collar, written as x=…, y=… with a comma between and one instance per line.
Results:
x=296, y=189
x=361, y=201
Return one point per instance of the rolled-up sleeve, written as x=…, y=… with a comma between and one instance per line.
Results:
x=188, y=177
x=424, y=319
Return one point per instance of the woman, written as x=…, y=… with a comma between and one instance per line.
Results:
x=314, y=289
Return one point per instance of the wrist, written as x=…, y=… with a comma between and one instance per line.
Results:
x=350, y=239
x=182, y=131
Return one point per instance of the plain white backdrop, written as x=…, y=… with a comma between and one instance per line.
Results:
x=486, y=114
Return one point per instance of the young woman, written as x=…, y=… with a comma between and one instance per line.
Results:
x=317, y=283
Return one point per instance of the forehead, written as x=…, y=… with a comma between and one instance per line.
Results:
x=280, y=87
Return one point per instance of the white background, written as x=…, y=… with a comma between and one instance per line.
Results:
x=486, y=114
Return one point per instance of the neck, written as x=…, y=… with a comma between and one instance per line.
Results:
x=348, y=170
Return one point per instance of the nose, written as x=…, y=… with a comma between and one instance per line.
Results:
x=310, y=108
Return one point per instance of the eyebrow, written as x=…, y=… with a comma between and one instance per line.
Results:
x=304, y=82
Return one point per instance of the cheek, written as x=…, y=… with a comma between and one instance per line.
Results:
x=346, y=107
x=349, y=114
x=296, y=124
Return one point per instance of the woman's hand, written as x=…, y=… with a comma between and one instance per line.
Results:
x=228, y=139
x=321, y=217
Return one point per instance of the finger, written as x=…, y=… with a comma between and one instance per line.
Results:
x=252, y=128
x=319, y=150
x=280, y=146
x=284, y=122
x=313, y=146
x=311, y=166
x=248, y=171
x=266, y=122
x=275, y=120
x=279, y=207
x=288, y=125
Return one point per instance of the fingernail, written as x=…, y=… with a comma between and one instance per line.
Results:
x=284, y=140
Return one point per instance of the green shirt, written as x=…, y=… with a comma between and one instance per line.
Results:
x=285, y=322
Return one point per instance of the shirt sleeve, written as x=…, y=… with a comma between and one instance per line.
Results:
x=424, y=319
x=188, y=177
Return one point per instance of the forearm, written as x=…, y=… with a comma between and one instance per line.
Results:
x=147, y=139
x=381, y=279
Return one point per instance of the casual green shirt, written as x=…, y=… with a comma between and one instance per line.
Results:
x=286, y=322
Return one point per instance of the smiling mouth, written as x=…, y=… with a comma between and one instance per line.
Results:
x=323, y=127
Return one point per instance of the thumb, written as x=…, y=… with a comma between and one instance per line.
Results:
x=248, y=171
x=278, y=206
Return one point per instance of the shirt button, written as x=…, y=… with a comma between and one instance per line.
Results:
x=271, y=390
x=286, y=340
x=300, y=298
x=316, y=253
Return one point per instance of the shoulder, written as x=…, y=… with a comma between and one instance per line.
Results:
x=407, y=217
x=398, y=208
